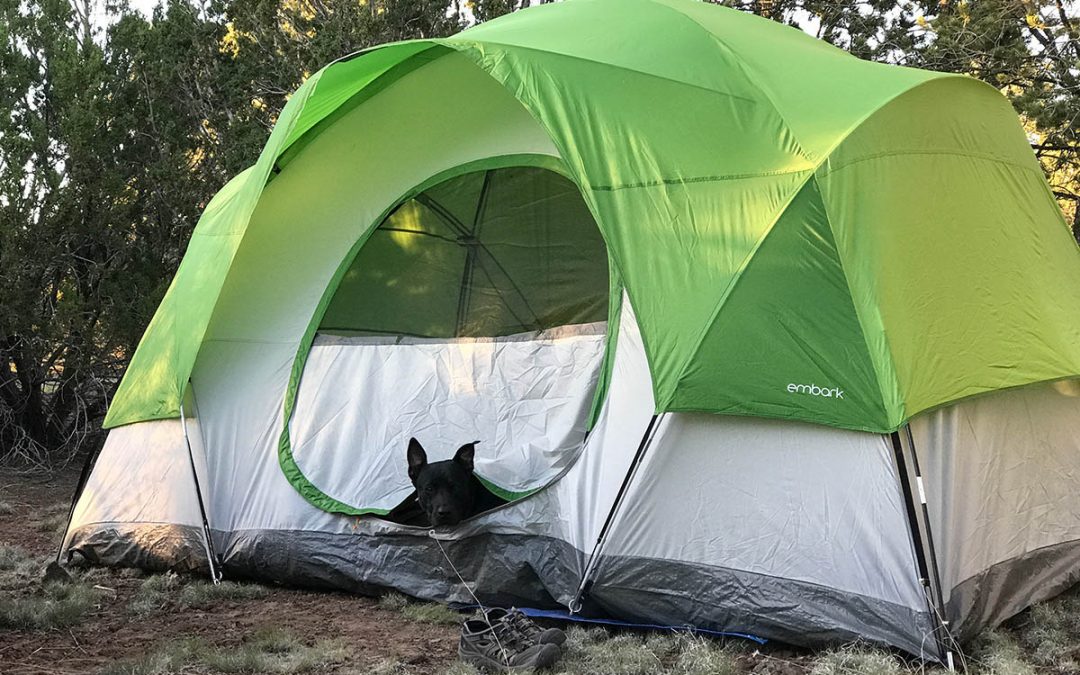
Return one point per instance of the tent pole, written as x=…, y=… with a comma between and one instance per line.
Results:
x=590, y=566
x=925, y=557
x=935, y=573
x=208, y=541
x=471, y=239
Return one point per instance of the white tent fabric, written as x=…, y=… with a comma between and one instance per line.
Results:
x=133, y=485
x=1000, y=474
x=525, y=397
x=141, y=495
x=784, y=499
x=734, y=523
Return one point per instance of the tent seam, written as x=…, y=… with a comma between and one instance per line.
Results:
x=777, y=577
x=1067, y=542
x=862, y=328
x=825, y=171
x=726, y=293
x=699, y=179
x=746, y=70
x=462, y=45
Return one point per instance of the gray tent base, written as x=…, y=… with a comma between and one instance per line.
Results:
x=543, y=573
x=1007, y=588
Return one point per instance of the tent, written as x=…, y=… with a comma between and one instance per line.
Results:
x=756, y=336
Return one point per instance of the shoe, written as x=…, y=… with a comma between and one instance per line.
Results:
x=498, y=647
x=516, y=618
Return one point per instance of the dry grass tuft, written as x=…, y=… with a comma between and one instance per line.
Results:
x=857, y=658
x=269, y=650
x=54, y=606
x=161, y=591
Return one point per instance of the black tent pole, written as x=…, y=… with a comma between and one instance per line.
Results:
x=925, y=557
x=590, y=565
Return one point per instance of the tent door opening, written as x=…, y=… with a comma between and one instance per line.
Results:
x=476, y=310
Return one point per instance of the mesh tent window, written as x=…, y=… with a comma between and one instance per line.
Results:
x=484, y=254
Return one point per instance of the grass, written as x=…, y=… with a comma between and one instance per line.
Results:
x=431, y=612
x=19, y=571
x=595, y=651
x=201, y=594
x=6, y=508
x=26, y=604
x=1050, y=633
x=55, y=606
x=51, y=519
x=11, y=557
x=858, y=658
x=161, y=591
x=422, y=612
x=154, y=594
x=1042, y=641
x=393, y=601
x=266, y=651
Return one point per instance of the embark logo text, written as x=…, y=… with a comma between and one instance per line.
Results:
x=815, y=390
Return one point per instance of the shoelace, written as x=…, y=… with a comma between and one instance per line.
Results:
x=522, y=623
x=511, y=635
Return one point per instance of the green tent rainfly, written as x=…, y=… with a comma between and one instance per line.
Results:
x=745, y=178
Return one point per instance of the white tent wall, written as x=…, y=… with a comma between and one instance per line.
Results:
x=139, y=504
x=1001, y=474
x=783, y=529
x=525, y=397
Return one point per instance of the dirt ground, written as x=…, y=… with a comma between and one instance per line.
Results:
x=110, y=633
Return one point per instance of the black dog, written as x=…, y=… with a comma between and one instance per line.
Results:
x=447, y=492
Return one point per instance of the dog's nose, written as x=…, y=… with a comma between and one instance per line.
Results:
x=445, y=517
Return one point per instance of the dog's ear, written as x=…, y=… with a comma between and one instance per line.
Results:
x=417, y=458
x=464, y=455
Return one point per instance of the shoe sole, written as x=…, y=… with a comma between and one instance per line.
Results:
x=545, y=659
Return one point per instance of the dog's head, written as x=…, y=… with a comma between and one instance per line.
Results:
x=446, y=491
